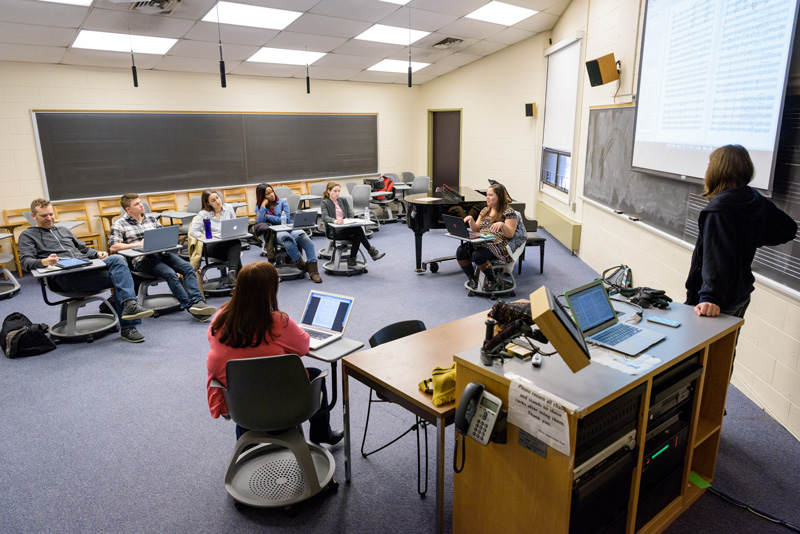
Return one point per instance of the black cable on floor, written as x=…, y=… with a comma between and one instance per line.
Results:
x=755, y=511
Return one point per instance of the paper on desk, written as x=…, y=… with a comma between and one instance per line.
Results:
x=630, y=365
x=538, y=413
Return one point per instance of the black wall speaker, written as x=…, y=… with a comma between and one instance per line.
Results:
x=602, y=70
x=530, y=110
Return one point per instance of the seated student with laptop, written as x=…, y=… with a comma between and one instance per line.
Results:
x=45, y=245
x=252, y=326
x=127, y=232
x=216, y=211
x=335, y=210
x=498, y=219
x=269, y=209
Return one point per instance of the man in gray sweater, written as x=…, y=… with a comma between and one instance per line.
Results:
x=44, y=244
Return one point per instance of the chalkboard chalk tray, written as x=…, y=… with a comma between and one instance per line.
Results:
x=673, y=206
x=97, y=154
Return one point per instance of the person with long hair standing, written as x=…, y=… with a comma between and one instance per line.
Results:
x=215, y=210
x=497, y=218
x=252, y=326
x=335, y=210
x=268, y=211
x=736, y=221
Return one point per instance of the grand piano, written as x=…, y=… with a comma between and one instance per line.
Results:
x=425, y=212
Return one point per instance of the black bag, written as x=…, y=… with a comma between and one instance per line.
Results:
x=20, y=337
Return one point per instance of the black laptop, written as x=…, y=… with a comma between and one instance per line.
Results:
x=457, y=227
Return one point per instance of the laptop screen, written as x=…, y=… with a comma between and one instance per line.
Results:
x=328, y=311
x=590, y=306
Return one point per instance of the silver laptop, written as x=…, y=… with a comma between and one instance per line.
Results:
x=325, y=317
x=233, y=228
x=597, y=319
x=159, y=239
x=305, y=218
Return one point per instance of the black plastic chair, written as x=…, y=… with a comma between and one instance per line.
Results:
x=385, y=335
x=534, y=240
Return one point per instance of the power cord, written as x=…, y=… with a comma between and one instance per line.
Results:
x=756, y=511
x=636, y=318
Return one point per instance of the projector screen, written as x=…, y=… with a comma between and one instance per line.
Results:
x=712, y=73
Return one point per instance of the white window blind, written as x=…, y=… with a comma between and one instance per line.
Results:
x=561, y=99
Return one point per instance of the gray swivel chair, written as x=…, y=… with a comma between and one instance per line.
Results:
x=293, y=202
x=9, y=286
x=361, y=203
x=408, y=177
x=419, y=185
x=504, y=271
x=317, y=188
x=384, y=204
x=350, y=186
x=338, y=250
x=282, y=191
x=272, y=464
x=74, y=327
x=194, y=207
x=385, y=335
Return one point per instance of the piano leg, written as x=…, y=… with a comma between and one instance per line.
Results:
x=418, y=250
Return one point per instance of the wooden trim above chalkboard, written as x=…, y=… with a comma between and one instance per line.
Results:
x=94, y=154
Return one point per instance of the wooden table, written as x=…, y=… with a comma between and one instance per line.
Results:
x=395, y=370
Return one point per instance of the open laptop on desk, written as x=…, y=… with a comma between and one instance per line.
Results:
x=159, y=239
x=305, y=218
x=596, y=317
x=457, y=227
x=325, y=317
x=234, y=228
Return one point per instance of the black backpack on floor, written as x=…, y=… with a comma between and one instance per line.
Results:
x=20, y=337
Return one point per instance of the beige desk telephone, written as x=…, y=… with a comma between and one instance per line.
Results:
x=476, y=417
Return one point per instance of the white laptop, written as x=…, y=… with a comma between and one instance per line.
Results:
x=325, y=317
x=233, y=228
x=158, y=239
x=596, y=317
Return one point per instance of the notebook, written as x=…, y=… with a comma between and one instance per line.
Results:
x=596, y=317
x=158, y=239
x=457, y=227
x=233, y=228
x=305, y=218
x=325, y=317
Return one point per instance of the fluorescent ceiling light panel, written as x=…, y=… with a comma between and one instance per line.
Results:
x=85, y=3
x=398, y=2
x=122, y=42
x=392, y=35
x=257, y=17
x=285, y=57
x=394, y=65
x=500, y=13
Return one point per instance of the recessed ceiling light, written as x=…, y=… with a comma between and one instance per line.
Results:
x=392, y=35
x=394, y=65
x=500, y=13
x=122, y=42
x=399, y=2
x=85, y=3
x=257, y=17
x=285, y=57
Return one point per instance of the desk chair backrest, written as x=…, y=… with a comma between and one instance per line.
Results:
x=408, y=177
x=293, y=201
x=163, y=202
x=520, y=235
x=282, y=191
x=350, y=186
x=195, y=204
x=317, y=188
x=28, y=214
x=271, y=392
x=361, y=197
x=420, y=185
x=396, y=331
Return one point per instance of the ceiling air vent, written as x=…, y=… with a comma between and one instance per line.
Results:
x=447, y=42
x=154, y=7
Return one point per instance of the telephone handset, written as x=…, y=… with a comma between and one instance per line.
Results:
x=476, y=417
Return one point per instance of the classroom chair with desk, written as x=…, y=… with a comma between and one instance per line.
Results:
x=504, y=271
x=14, y=220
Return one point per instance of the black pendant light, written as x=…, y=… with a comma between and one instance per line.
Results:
x=133, y=63
x=409, y=47
x=221, y=61
x=308, y=78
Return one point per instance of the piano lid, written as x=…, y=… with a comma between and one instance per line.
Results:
x=455, y=196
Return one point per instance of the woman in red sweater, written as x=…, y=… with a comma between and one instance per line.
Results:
x=248, y=327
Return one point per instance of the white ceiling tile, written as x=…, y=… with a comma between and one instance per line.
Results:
x=331, y=26
x=484, y=48
x=242, y=35
x=187, y=9
x=102, y=58
x=252, y=68
x=205, y=49
x=107, y=20
x=325, y=73
x=289, y=5
x=423, y=55
x=469, y=28
x=36, y=35
x=365, y=10
x=432, y=39
x=342, y=61
x=30, y=53
x=194, y=64
x=377, y=76
x=536, y=5
x=558, y=8
x=43, y=13
x=436, y=70
x=510, y=36
x=452, y=7
x=299, y=41
x=428, y=21
x=459, y=59
x=538, y=23
x=368, y=48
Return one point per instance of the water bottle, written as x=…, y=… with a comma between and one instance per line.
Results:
x=207, y=226
x=283, y=218
x=366, y=213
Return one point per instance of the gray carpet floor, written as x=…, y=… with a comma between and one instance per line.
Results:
x=115, y=437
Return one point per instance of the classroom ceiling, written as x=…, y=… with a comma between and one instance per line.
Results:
x=43, y=32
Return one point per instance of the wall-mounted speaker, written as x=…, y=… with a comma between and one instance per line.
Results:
x=602, y=70
x=530, y=110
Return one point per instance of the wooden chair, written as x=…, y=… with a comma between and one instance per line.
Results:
x=239, y=194
x=14, y=220
x=109, y=210
x=77, y=211
x=165, y=202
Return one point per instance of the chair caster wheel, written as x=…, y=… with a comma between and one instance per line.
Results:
x=333, y=486
x=434, y=267
x=156, y=314
x=492, y=297
x=470, y=294
x=240, y=507
x=90, y=339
